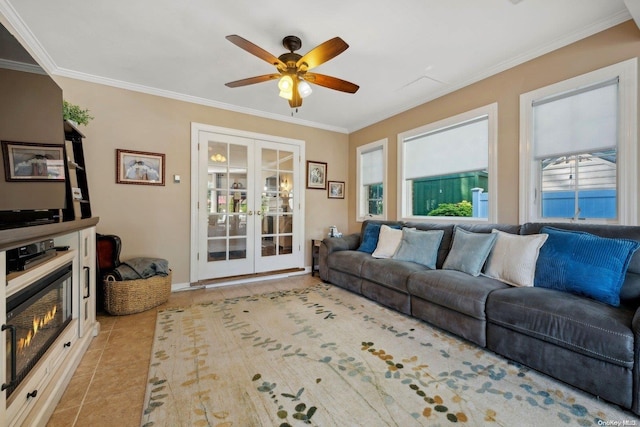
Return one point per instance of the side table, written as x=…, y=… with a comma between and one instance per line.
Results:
x=315, y=255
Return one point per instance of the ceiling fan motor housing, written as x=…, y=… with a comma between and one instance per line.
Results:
x=292, y=43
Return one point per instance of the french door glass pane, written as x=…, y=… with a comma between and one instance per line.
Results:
x=227, y=201
x=277, y=202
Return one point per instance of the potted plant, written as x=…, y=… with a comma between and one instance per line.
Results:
x=75, y=113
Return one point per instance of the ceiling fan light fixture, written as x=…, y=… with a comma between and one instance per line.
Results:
x=285, y=84
x=286, y=94
x=304, y=89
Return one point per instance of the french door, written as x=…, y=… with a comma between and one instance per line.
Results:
x=248, y=212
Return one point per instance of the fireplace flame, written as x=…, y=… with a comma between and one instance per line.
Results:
x=39, y=322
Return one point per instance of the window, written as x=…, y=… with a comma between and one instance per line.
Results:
x=578, y=149
x=446, y=168
x=371, y=180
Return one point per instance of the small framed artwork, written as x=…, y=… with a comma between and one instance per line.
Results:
x=336, y=190
x=316, y=175
x=26, y=161
x=139, y=167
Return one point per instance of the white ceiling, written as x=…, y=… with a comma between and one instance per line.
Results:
x=398, y=49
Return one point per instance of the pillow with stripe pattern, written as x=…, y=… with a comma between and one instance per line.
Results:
x=584, y=264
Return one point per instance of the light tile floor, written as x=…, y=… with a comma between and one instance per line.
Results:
x=109, y=385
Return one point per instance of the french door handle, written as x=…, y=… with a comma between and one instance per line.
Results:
x=250, y=213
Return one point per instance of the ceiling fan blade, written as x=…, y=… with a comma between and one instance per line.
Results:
x=331, y=82
x=322, y=53
x=253, y=80
x=256, y=50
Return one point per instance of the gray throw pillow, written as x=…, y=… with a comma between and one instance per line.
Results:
x=469, y=251
x=420, y=247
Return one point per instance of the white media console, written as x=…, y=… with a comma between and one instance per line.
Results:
x=32, y=401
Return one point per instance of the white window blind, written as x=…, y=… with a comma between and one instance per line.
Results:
x=456, y=149
x=372, y=167
x=582, y=121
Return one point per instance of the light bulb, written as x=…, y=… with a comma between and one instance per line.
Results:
x=304, y=89
x=286, y=94
x=285, y=84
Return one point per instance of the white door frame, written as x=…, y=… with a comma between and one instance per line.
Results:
x=196, y=128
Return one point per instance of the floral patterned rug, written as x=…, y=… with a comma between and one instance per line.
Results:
x=323, y=356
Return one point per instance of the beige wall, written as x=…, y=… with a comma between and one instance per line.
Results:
x=153, y=220
x=608, y=47
x=31, y=111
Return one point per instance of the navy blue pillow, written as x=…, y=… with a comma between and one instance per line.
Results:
x=370, y=236
x=584, y=264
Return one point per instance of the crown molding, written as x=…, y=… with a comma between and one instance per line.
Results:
x=21, y=31
x=21, y=66
x=47, y=63
x=62, y=72
x=605, y=24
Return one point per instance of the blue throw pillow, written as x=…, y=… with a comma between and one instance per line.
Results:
x=469, y=251
x=370, y=236
x=420, y=247
x=584, y=264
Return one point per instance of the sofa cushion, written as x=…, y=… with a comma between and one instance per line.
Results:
x=390, y=273
x=347, y=261
x=630, y=292
x=513, y=258
x=370, y=238
x=454, y=290
x=488, y=228
x=584, y=264
x=445, y=244
x=370, y=234
x=570, y=321
x=388, y=242
x=469, y=251
x=419, y=246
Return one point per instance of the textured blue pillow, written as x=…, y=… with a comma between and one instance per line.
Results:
x=420, y=247
x=469, y=251
x=584, y=264
x=370, y=236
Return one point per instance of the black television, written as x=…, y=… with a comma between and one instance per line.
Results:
x=30, y=117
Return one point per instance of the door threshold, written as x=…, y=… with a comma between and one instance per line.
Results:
x=241, y=278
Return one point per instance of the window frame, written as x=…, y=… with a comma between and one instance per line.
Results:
x=491, y=111
x=626, y=169
x=360, y=203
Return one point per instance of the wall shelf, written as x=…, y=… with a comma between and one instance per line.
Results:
x=77, y=179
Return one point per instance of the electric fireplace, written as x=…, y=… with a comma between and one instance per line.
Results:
x=36, y=316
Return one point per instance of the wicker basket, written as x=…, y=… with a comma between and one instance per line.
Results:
x=134, y=296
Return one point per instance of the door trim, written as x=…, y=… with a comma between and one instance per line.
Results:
x=196, y=128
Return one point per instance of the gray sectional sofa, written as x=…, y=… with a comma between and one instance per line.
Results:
x=584, y=342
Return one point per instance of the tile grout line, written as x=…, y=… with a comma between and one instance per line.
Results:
x=93, y=375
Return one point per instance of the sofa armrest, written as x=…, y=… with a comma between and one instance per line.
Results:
x=329, y=245
x=349, y=242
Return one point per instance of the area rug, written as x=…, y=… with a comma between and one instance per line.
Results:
x=323, y=356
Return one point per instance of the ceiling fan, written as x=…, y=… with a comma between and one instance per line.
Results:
x=293, y=69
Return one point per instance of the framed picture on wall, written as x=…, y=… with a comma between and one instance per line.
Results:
x=336, y=190
x=139, y=167
x=26, y=161
x=316, y=175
